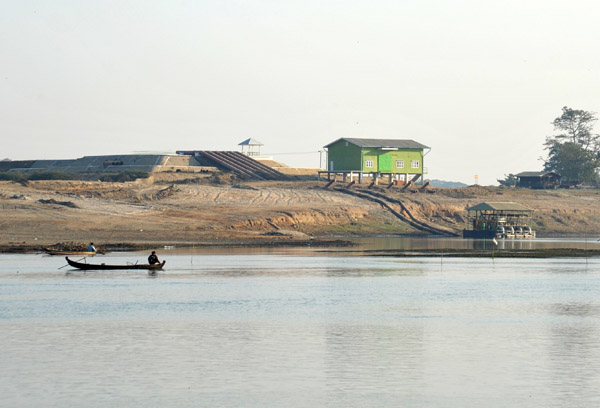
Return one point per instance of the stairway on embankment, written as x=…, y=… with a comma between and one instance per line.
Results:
x=243, y=165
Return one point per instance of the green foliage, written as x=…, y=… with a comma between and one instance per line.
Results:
x=12, y=176
x=510, y=180
x=50, y=175
x=576, y=126
x=129, y=175
x=574, y=152
x=573, y=163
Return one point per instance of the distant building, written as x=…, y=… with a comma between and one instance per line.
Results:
x=251, y=147
x=538, y=179
x=397, y=158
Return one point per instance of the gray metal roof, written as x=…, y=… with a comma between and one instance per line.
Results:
x=383, y=143
x=250, y=142
x=506, y=206
x=535, y=173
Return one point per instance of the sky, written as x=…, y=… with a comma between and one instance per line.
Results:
x=477, y=81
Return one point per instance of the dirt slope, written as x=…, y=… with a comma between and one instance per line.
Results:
x=184, y=209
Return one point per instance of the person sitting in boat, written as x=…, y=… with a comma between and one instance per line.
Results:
x=91, y=247
x=153, y=259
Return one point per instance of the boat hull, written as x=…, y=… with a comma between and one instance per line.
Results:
x=103, y=267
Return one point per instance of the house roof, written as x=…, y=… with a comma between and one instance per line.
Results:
x=383, y=143
x=250, y=142
x=505, y=206
x=536, y=173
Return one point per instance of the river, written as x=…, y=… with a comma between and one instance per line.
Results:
x=301, y=327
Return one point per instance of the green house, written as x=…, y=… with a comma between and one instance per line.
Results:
x=397, y=158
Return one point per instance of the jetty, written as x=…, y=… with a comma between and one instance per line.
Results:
x=489, y=220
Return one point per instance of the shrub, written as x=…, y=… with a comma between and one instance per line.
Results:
x=129, y=175
x=215, y=179
x=49, y=175
x=12, y=176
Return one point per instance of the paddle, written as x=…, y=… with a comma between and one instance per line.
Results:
x=75, y=261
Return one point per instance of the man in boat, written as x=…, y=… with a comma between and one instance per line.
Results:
x=91, y=247
x=153, y=259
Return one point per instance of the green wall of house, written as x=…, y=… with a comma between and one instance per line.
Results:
x=344, y=155
x=347, y=156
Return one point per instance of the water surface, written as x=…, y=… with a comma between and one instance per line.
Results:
x=300, y=328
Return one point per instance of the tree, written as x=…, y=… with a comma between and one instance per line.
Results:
x=510, y=180
x=573, y=163
x=576, y=127
x=574, y=152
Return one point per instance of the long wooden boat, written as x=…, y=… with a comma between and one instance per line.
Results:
x=86, y=266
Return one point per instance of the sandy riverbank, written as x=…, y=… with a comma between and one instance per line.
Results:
x=187, y=209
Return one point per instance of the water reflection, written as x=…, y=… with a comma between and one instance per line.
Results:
x=370, y=362
x=434, y=243
x=283, y=329
x=575, y=309
x=574, y=358
x=390, y=243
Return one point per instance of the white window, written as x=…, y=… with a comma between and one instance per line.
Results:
x=369, y=164
x=399, y=164
x=414, y=164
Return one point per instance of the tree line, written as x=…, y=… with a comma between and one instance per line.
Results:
x=573, y=151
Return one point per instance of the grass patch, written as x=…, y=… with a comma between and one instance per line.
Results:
x=36, y=175
x=50, y=175
x=129, y=175
x=12, y=176
x=370, y=226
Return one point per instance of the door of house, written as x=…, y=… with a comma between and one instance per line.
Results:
x=385, y=163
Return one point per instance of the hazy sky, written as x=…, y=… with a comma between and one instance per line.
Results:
x=477, y=81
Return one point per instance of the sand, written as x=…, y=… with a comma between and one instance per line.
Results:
x=191, y=209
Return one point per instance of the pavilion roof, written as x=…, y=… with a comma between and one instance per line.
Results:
x=250, y=142
x=499, y=206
